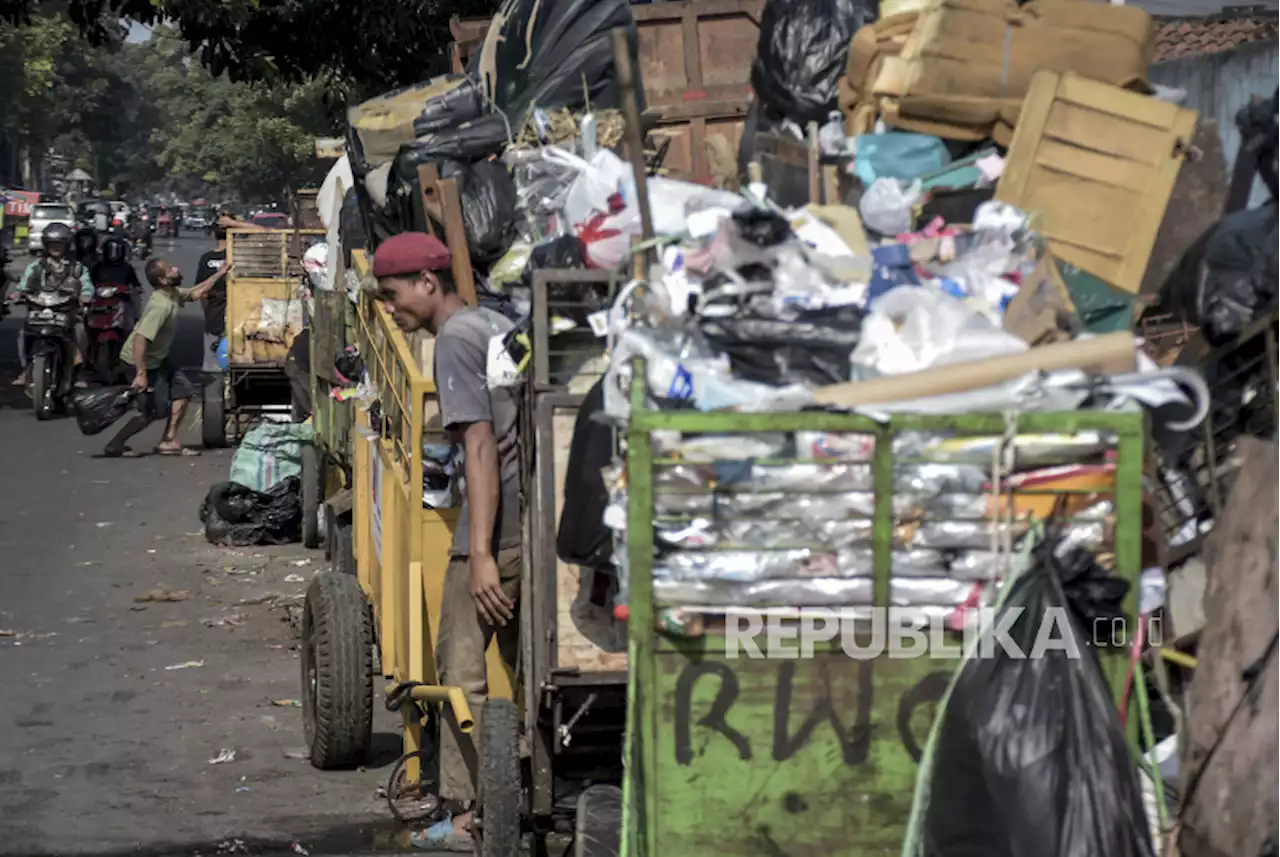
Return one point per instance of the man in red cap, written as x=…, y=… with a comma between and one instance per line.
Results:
x=482, y=583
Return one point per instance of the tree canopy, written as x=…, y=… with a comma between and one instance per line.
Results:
x=146, y=117
x=358, y=46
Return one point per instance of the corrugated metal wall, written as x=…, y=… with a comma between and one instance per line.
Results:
x=1220, y=84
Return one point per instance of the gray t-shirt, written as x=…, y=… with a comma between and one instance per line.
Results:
x=462, y=352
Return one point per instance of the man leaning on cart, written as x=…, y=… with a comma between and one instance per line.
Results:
x=482, y=583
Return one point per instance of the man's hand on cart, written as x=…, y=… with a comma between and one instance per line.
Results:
x=486, y=590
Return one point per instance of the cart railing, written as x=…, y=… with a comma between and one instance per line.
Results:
x=1195, y=471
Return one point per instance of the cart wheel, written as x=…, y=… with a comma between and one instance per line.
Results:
x=498, y=832
x=343, y=560
x=597, y=830
x=337, y=672
x=213, y=420
x=312, y=489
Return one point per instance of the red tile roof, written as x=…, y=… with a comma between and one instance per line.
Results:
x=1185, y=37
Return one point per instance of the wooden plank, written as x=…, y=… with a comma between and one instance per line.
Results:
x=442, y=204
x=1095, y=165
x=1231, y=809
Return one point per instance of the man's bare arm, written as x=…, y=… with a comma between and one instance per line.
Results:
x=482, y=485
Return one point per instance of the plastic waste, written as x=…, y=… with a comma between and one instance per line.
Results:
x=582, y=537
x=235, y=514
x=887, y=206
x=97, y=410
x=1240, y=284
x=488, y=198
x=803, y=48
x=898, y=155
x=551, y=55
x=1011, y=769
x=910, y=329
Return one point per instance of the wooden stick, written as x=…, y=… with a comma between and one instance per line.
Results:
x=815, y=166
x=441, y=202
x=635, y=134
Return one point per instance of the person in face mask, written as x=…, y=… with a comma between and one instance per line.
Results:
x=163, y=389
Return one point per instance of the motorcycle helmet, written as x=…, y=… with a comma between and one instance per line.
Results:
x=56, y=233
x=86, y=243
x=114, y=251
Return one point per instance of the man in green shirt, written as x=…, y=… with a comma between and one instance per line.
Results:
x=147, y=351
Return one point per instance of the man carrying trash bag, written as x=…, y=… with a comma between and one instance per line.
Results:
x=482, y=582
x=147, y=351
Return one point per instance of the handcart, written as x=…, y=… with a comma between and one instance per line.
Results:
x=811, y=755
x=264, y=314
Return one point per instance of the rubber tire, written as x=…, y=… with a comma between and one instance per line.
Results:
x=343, y=556
x=337, y=642
x=213, y=419
x=597, y=830
x=40, y=393
x=500, y=787
x=312, y=495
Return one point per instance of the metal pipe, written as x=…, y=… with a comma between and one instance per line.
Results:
x=450, y=694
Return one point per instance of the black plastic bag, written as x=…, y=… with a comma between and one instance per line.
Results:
x=234, y=514
x=1240, y=282
x=803, y=49
x=488, y=198
x=96, y=410
x=582, y=537
x=813, y=348
x=760, y=227
x=450, y=109
x=552, y=54
x=574, y=301
x=1028, y=757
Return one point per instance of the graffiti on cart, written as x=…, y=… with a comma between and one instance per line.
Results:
x=800, y=708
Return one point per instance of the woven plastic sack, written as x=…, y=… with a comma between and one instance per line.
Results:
x=270, y=453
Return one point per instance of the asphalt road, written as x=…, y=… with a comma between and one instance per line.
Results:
x=112, y=707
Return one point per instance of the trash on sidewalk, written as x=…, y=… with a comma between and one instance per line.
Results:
x=297, y=753
x=294, y=578
x=185, y=665
x=161, y=594
x=287, y=703
x=225, y=755
x=229, y=620
x=235, y=514
x=269, y=454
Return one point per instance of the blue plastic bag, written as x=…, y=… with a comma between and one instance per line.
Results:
x=223, y=360
x=898, y=155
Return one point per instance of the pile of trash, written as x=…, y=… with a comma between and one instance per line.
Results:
x=261, y=502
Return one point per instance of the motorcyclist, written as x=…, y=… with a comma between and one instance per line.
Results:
x=113, y=269
x=56, y=269
x=85, y=245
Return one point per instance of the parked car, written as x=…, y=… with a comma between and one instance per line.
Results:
x=271, y=220
x=42, y=214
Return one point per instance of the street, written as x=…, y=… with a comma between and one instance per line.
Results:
x=133, y=653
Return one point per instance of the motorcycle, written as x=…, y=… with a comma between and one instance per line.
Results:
x=50, y=336
x=106, y=329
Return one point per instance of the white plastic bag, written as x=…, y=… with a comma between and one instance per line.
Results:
x=886, y=207
x=597, y=180
x=911, y=328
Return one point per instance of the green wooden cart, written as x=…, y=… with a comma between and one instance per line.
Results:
x=803, y=756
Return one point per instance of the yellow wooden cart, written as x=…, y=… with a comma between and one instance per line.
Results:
x=265, y=311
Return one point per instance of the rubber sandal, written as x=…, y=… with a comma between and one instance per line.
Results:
x=120, y=453
x=179, y=452
x=442, y=837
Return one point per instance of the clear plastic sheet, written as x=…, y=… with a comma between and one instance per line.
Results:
x=715, y=447
x=835, y=446
x=977, y=535
x=777, y=505
x=1030, y=450
x=764, y=534
x=743, y=476
x=811, y=592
